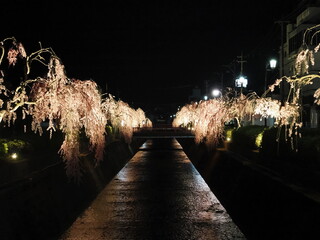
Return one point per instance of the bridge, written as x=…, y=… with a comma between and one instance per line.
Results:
x=162, y=131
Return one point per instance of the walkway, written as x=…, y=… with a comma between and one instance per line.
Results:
x=157, y=195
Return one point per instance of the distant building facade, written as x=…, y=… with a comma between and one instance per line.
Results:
x=196, y=95
x=309, y=17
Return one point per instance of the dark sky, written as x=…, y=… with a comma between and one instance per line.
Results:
x=150, y=51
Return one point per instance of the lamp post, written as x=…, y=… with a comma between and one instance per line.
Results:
x=270, y=66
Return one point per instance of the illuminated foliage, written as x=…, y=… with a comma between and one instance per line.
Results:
x=303, y=61
x=70, y=105
x=123, y=118
x=77, y=105
x=241, y=107
x=317, y=96
x=267, y=107
x=210, y=124
x=208, y=117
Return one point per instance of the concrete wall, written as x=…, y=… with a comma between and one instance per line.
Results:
x=45, y=204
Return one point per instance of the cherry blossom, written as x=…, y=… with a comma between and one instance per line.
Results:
x=70, y=105
x=12, y=56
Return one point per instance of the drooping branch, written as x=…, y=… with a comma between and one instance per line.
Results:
x=18, y=98
x=67, y=104
x=76, y=105
x=2, y=47
x=37, y=56
x=307, y=31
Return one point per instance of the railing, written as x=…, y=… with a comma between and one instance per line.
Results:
x=137, y=129
x=162, y=132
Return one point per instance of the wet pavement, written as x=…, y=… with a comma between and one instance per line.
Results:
x=157, y=195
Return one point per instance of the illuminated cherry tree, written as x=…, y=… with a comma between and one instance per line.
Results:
x=69, y=105
x=11, y=100
x=241, y=107
x=187, y=115
x=211, y=115
x=123, y=118
x=208, y=117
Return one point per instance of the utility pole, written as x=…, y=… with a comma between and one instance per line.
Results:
x=281, y=71
x=206, y=86
x=241, y=61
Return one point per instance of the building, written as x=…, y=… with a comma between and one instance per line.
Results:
x=196, y=95
x=309, y=16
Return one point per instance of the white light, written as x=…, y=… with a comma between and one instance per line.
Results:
x=241, y=82
x=205, y=98
x=273, y=63
x=215, y=92
x=14, y=156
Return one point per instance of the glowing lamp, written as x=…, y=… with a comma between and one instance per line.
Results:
x=241, y=82
x=215, y=93
x=14, y=156
x=273, y=63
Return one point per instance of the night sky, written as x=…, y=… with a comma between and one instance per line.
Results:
x=151, y=52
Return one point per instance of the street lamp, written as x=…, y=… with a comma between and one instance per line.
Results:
x=273, y=63
x=215, y=93
x=241, y=82
x=270, y=66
